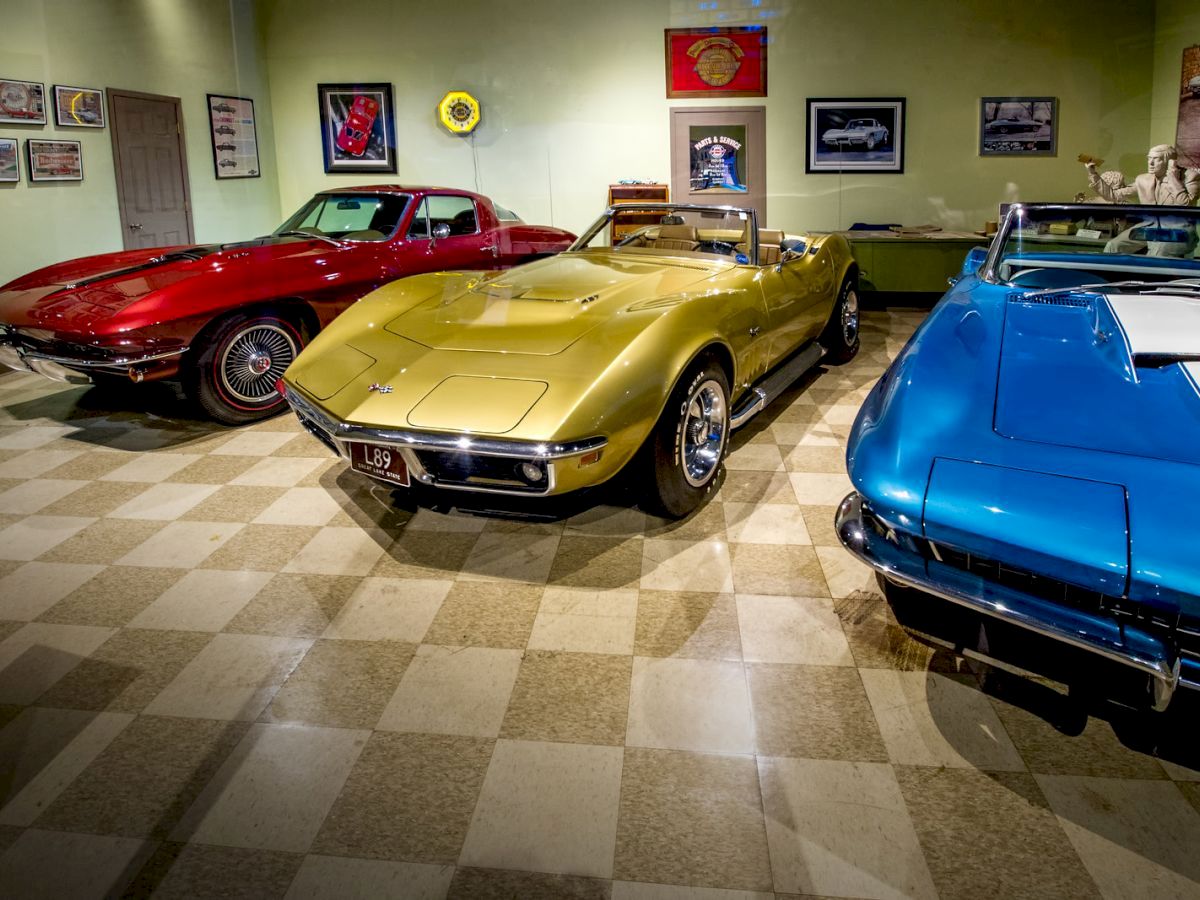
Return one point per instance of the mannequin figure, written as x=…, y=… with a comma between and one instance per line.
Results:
x=1162, y=184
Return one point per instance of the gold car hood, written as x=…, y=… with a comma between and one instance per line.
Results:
x=544, y=307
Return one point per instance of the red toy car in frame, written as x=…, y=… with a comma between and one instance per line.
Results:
x=356, y=130
x=227, y=319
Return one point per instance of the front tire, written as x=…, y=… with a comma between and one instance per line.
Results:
x=689, y=441
x=841, y=335
x=233, y=379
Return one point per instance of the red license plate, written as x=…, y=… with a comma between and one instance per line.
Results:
x=379, y=461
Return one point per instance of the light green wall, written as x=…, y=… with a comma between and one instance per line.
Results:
x=1177, y=25
x=169, y=47
x=573, y=95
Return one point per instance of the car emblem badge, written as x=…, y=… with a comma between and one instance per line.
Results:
x=382, y=388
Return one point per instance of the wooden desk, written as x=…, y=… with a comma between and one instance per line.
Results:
x=889, y=261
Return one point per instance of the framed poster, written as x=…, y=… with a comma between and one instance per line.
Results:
x=718, y=158
x=1187, y=127
x=10, y=164
x=716, y=62
x=358, y=129
x=54, y=160
x=23, y=102
x=234, y=136
x=856, y=135
x=1018, y=126
x=77, y=107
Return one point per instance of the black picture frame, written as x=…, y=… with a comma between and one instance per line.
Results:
x=235, y=155
x=371, y=147
x=78, y=107
x=1018, y=126
x=35, y=153
x=874, y=149
x=10, y=152
x=22, y=102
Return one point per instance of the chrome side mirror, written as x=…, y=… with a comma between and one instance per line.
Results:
x=440, y=230
x=789, y=250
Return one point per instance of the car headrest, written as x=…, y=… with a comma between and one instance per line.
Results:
x=677, y=233
x=770, y=236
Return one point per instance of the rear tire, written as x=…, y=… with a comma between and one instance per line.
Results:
x=689, y=442
x=233, y=378
x=841, y=335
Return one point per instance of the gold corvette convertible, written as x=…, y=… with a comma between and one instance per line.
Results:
x=553, y=376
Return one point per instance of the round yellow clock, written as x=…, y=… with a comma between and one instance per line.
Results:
x=459, y=112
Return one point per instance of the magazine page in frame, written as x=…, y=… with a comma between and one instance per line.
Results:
x=10, y=162
x=1018, y=126
x=1187, y=130
x=718, y=158
x=54, y=160
x=358, y=129
x=234, y=136
x=856, y=135
x=78, y=107
x=22, y=102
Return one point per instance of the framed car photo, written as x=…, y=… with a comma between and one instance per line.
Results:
x=23, y=102
x=76, y=107
x=856, y=135
x=1018, y=126
x=358, y=128
x=10, y=162
x=54, y=160
x=234, y=137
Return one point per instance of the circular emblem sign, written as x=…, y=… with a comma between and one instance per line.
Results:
x=717, y=60
x=459, y=112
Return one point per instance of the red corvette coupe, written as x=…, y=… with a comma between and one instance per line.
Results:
x=227, y=319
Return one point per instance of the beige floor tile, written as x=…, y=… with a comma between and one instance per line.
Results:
x=820, y=489
x=426, y=554
x=1136, y=838
x=274, y=789
x=145, y=779
x=640, y=890
x=150, y=467
x=278, y=472
x=756, y=458
x=841, y=413
x=547, y=808
x=878, y=641
x=471, y=883
x=819, y=521
x=36, y=462
x=1181, y=772
x=580, y=698
x=672, y=565
x=330, y=877
x=234, y=503
x=519, y=557
x=845, y=575
x=95, y=498
x=453, y=522
x=389, y=609
x=706, y=524
x=30, y=437
x=37, y=655
x=587, y=561
x=687, y=624
x=339, y=551
x=163, y=502
x=202, y=600
x=769, y=488
x=749, y=523
x=186, y=871
x=689, y=704
x=991, y=834
x=477, y=614
x=88, y=465
x=180, y=545
x=803, y=630
x=932, y=720
x=345, y=684
x=31, y=738
x=99, y=866
x=113, y=597
x=103, y=542
x=300, y=506
x=841, y=828
x=267, y=548
x=823, y=460
x=253, y=443
x=233, y=677
x=34, y=535
x=691, y=819
x=36, y=586
x=28, y=497
x=218, y=470
x=608, y=521
x=777, y=569
x=817, y=712
x=409, y=797
x=453, y=690
x=580, y=620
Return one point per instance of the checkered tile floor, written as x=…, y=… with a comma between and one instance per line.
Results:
x=228, y=666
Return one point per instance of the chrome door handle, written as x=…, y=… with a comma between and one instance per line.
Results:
x=494, y=249
x=135, y=226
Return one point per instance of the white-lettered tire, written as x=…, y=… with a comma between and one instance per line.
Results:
x=689, y=442
x=840, y=337
x=233, y=379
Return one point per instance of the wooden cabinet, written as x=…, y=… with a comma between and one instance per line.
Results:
x=624, y=223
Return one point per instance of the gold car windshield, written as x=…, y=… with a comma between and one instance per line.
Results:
x=657, y=229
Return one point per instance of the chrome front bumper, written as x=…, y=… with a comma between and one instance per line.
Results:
x=65, y=368
x=1132, y=647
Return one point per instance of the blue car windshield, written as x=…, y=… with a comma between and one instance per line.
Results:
x=1066, y=246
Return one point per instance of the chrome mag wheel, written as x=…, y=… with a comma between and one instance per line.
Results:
x=850, y=318
x=705, y=427
x=254, y=359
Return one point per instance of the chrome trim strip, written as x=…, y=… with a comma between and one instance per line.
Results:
x=116, y=362
x=1009, y=605
x=765, y=392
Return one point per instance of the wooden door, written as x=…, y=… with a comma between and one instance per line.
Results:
x=719, y=156
x=151, y=169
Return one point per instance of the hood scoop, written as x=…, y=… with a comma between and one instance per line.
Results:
x=547, y=294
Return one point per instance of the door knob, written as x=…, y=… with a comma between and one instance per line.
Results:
x=135, y=226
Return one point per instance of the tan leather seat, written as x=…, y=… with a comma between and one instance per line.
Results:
x=769, y=240
x=676, y=237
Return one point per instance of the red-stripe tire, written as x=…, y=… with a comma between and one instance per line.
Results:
x=233, y=379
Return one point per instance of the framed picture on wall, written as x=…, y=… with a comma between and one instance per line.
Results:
x=358, y=128
x=77, y=107
x=1018, y=126
x=856, y=135
x=23, y=102
x=717, y=62
x=10, y=164
x=54, y=160
x=234, y=136
x=1187, y=128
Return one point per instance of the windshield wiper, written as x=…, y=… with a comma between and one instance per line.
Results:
x=308, y=234
x=1188, y=285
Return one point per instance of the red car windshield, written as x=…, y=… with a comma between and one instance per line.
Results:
x=349, y=216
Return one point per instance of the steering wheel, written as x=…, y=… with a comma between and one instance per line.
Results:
x=630, y=238
x=723, y=247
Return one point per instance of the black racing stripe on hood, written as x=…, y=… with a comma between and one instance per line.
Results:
x=191, y=254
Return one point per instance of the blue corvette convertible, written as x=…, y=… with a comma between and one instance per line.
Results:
x=1034, y=451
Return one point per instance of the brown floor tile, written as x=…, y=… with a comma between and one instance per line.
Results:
x=8, y=566
x=113, y=597
x=817, y=712
x=483, y=614
x=145, y=779
x=98, y=498
x=345, y=684
x=777, y=569
x=1190, y=790
x=9, y=834
x=747, y=486
x=303, y=445
x=34, y=736
x=501, y=884
x=265, y=548
x=706, y=523
x=581, y=698
x=690, y=818
x=409, y=797
x=89, y=466
x=197, y=870
x=214, y=469
x=429, y=554
x=877, y=640
x=687, y=624
x=815, y=459
x=819, y=522
x=234, y=503
x=991, y=835
x=596, y=562
x=103, y=542
x=295, y=605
